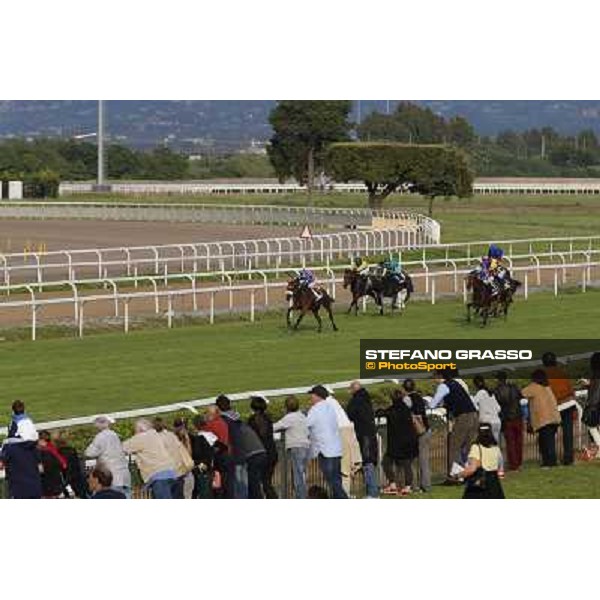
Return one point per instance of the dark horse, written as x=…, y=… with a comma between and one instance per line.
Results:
x=487, y=304
x=302, y=299
x=378, y=288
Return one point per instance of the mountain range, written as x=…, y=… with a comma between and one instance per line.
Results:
x=199, y=126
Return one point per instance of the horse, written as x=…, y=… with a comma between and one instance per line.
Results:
x=301, y=298
x=485, y=302
x=378, y=288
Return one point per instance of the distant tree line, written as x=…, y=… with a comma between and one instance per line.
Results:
x=535, y=152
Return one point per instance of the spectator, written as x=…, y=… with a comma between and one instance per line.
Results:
x=463, y=415
x=481, y=471
x=106, y=447
x=53, y=467
x=21, y=460
x=100, y=482
x=489, y=412
x=254, y=456
x=223, y=480
x=154, y=462
x=509, y=397
x=21, y=427
x=543, y=414
x=591, y=410
x=261, y=423
x=239, y=467
x=180, y=457
x=206, y=447
x=360, y=412
x=416, y=403
x=402, y=445
x=297, y=444
x=351, y=459
x=180, y=429
x=325, y=440
x=75, y=479
x=563, y=391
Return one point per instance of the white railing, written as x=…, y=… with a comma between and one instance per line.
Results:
x=480, y=186
x=104, y=263
x=410, y=231
x=250, y=291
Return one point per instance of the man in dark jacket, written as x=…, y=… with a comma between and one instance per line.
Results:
x=22, y=463
x=509, y=397
x=100, y=482
x=248, y=452
x=360, y=412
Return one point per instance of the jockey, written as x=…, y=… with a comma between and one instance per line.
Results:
x=306, y=278
x=361, y=266
x=392, y=268
x=491, y=270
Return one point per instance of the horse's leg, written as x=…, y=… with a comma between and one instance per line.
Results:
x=300, y=317
x=469, y=306
x=353, y=304
x=330, y=313
x=288, y=316
x=315, y=312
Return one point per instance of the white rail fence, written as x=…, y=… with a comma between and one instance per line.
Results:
x=402, y=231
x=251, y=291
x=481, y=186
x=104, y=263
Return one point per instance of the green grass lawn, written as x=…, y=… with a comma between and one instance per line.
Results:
x=577, y=481
x=477, y=218
x=66, y=377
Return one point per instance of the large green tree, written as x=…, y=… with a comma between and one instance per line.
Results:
x=430, y=170
x=302, y=129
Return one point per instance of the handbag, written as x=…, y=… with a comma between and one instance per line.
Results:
x=477, y=482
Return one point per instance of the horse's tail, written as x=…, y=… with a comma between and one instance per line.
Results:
x=410, y=288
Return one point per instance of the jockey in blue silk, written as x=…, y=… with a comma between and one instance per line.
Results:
x=491, y=270
x=306, y=278
x=392, y=268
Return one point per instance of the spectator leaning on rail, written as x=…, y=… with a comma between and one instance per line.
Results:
x=156, y=466
x=360, y=412
x=325, y=440
x=100, y=482
x=261, y=423
x=509, y=398
x=297, y=444
x=561, y=386
x=462, y=414
x=350, y=451
x=416, y=403
x=180, y=457
x=106, y=447
x=543, y=415
x=180, y=429
x=54, y=466
x=224, y=462
x=239, y=467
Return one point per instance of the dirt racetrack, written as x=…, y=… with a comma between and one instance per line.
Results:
x=62, y=234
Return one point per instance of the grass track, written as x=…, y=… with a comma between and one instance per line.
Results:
x=68, y=377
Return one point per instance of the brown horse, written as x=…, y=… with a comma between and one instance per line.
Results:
x=482, y=300
x=302, y=299
x=487, y=304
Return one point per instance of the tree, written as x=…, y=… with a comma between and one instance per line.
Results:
x=302, y=129
x=431, y=170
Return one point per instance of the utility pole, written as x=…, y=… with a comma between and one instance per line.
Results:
x=543, y=146
x=101, y=185
x=358, y=113
x=387, y=107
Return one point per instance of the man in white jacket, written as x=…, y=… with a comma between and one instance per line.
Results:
x=106, y=448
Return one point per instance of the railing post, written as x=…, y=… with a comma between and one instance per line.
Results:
x=252, y=300
x=126, y=315
x=212, y=308
x=170, y=310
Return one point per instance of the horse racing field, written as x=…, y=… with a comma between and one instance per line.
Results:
x=62, y=377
